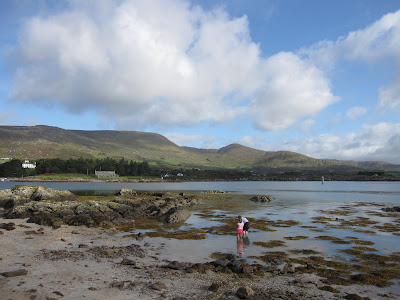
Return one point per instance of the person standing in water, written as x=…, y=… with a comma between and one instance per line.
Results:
x=246, y=226
x=239, y=230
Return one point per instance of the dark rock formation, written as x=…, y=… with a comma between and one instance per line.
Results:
x=56, y=208
x=392, y=209
x=176, y=215
x=262, y=198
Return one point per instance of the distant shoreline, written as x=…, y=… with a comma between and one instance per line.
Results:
x=394, y=179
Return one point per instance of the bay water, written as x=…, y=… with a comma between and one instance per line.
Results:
x=305, y=203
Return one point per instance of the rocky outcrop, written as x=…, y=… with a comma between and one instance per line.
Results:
x=66, y=208
x=176, y=215
x=262, y=199
x=21, y=194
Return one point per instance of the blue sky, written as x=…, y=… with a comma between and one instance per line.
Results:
x=317, y=77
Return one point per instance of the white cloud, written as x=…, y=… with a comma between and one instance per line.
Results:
x=379, y=40
x=307, y=126
x=200, y=140
x=157, y=63
x=295, y=88
x=355, y=112
x=257, y=142
x=372, y=142
x=149, y=62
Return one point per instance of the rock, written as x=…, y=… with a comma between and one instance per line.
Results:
x=214, y=287
x=158, y=286
x=127, y=193
x=244, y=292
x=7, y=226
x=221, y=262
x=214, y=192
x=262, y=199
x=83, y=246
x=392, y=209
x=176, y=265
x=176, y=215
x=15, y=273
x=42, y=194
x=128, y=262
x=55, y=208
x=24, y=191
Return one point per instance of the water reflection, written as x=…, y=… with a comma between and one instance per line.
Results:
x=242, y=244
x=240, y=247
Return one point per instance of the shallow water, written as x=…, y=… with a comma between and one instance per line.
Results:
x=299, y=201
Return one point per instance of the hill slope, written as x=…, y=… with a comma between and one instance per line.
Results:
x=35, y=142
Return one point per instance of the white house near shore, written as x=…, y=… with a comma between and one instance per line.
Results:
x=28, y=165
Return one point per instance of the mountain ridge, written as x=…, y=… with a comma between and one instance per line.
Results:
x=41, y=141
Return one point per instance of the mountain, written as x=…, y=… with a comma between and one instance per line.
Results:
x=35, y=142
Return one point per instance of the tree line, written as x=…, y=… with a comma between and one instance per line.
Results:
x=121, y=166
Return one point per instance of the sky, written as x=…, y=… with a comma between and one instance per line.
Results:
x=317, y=77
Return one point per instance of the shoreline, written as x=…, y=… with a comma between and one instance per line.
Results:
x=74, y=262
x=215, y=180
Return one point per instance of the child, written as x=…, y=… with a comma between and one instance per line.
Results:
x=240, y=228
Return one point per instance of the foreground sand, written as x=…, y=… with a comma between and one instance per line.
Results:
x=85, y=263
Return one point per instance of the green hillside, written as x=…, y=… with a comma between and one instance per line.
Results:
x=35, y=142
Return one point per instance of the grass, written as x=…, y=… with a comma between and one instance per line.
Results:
x=78, y=176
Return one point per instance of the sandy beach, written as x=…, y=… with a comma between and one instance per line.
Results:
x=76, y=262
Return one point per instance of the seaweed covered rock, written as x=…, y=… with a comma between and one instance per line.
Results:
x=126, y=193
x=54, y=208
x=262, y=199
x=21, y=194
x=42, y=193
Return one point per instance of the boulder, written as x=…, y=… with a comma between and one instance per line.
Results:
x=127, y=193
x=24, y=191
x=244, y=292
x=19, y=272
x=392, y=209
x=176, y=215
x=42, y=194
x=262, y=199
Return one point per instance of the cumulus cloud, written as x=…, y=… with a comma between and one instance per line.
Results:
x=372, y=142
x=295, y=88
x=258, y=142
x=355, y=112
x=181, y=139
x=157, y=63
x=149, y=62
x=377, y=42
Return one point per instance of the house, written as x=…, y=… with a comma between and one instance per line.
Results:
x=28, y=165
x=105, y=174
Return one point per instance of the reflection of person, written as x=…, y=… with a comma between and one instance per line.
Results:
x=246, y=226
x=240, y=247
x=239, y=230
x=246, y=241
